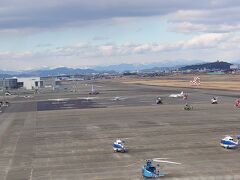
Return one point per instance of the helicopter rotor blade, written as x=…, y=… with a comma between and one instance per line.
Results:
x=163, y=161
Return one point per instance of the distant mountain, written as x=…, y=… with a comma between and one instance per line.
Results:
x=218, y=65
x=134, y=67
x=119, y=68
x=158, y=66
x=61, y=71
x=160, y=69
x=49, y=72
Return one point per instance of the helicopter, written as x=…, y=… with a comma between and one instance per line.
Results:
x=229, y=143
x=149, y=170
x=214, y=100
x=159, y=100
x=119, y=146
x=237, y=103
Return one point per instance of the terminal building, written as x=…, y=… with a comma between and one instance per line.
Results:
x=9, y=83
x=234, y=67
x=31, y=83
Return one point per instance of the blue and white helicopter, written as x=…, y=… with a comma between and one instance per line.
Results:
x=149, y=170
x=119, y=146
x=229, y=143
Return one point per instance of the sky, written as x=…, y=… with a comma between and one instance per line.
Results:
x=85, y=33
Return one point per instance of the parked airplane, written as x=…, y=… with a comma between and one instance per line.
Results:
x=93, y=91
x=117, y=98
x=181, y=95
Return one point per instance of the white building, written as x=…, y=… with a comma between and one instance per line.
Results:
x=31, y=83
x=235, y=67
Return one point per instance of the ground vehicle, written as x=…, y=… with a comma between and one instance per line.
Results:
x=159, y=100
x=237, y=103
x=188, y=107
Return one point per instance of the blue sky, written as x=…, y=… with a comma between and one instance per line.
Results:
x=83, y=33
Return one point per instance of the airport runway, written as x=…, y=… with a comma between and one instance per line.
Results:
x=69, y=135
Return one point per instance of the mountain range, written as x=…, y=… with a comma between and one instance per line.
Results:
x=218, y=65
x=154, y=67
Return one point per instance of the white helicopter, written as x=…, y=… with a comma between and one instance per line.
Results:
x=229, y=143
x=181, y=95
x=214, y=100
x=119, y=146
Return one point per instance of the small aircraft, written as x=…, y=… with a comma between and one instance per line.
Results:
x=229, y=143
x=27, y=96
x=214, y=100
x=159, y=100
x=149, y=170
x=60, y=99
x=93, y=91
x=87, y=98
x=117, y=98
x=237, y=103
x=119, y=146
x=181, y=95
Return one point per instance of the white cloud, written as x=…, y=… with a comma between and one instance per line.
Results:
x=205, y=46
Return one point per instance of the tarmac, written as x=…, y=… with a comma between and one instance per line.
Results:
x=68, y=135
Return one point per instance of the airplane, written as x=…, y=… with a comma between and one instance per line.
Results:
x=117, y=98
x=93, y=91
x=119, y=146
x=149, y=170
x=26, y=96
x=87, y=98
x=60, y=99
x=181, y=95
x=214, y=100
x=229, y=143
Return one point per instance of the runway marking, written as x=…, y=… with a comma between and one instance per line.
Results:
x=68, y=104
x=67, y=107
